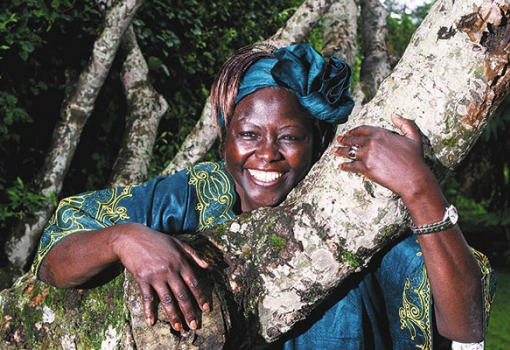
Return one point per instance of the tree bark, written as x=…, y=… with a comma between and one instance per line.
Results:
x=282, y=261
x=75, y=112
x=375, y=66
x=145, y=109
x=197, y=143
x=340, y=29
x=204, y=134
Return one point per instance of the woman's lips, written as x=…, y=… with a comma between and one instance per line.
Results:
x=265, y=176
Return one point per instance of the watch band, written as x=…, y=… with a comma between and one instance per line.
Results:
x=450, y=219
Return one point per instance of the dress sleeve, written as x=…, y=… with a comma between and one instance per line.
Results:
x=164, y=204
x=191, y=200
x=406, y=290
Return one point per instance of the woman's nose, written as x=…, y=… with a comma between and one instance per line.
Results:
x=268, y=151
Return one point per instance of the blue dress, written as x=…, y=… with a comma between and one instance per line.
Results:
x=387, y=306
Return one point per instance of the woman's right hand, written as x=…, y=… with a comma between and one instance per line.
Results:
x=162, y=266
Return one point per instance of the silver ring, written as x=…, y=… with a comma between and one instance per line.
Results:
x=352, y=152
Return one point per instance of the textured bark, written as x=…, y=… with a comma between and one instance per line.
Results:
x=301, y=23
x=204, y=134
x=376, y=63
x=340, y=29
x=197, y=143
x=75, y=112
x=282, y=261
x=145, y=109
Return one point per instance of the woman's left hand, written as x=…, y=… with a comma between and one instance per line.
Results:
x=392, y=160
x=396, y=162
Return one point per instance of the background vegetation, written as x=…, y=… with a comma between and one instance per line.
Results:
x=45, y=44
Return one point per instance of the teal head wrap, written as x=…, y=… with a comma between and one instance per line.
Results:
x=321, y=87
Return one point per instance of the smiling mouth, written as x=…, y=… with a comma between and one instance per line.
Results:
x=265, y=176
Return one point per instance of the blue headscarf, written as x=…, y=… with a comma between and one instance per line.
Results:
x=321, y=87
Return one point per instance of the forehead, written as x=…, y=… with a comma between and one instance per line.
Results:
x=273, y=105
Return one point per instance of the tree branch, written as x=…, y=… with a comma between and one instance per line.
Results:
x=204, y=134
x=74, y=114
x=145, y=109
x=330, y=226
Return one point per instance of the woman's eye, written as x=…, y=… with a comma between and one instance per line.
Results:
x=247, y=135
x=290, y=138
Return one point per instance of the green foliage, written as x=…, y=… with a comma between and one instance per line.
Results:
x=33, y=35
x=44, y=45
x=277, y=242
x=482, y=183
x=498, y=335
x=21, y=199
x=402, y=23
x=187, y=48
x=11, y=112
x=184, y=42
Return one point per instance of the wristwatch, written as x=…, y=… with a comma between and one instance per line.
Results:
x=450, y=219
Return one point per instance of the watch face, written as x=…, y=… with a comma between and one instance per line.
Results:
x=452, y=214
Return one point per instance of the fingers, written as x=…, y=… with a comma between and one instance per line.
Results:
x=148, y=303
x=345, y=152
x=200, y=289
x=355, y=165
x=196, y=285
x=407, y=127
x=166, y=298
x=185, y=301
x=177, y=302
x=164, y=271
x=363, y=130
x=167, y=301
x=352, y=167
x=191, y=253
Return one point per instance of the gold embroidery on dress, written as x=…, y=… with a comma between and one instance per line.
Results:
x=415, y=311
x=214, y=193
x=488, y=294
x=111, y=210
x=71, y=217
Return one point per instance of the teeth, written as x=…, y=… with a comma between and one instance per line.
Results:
x=265, y=176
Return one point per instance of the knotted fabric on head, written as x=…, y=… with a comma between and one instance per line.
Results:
x=321, y=87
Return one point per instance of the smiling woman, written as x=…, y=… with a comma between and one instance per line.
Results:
x=268, y=147
x=277, y=112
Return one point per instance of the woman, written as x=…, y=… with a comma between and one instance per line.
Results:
x=276, y=114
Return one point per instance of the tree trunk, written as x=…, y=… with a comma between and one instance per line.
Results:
x=197, y=143
x=282, y=261
x=75, y=112
x=376, y=64
x=204, y=134
x=145, y=109
x=340, y=29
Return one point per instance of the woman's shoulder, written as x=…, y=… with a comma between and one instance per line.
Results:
x=215, y=192
x=189, y=175
x=214, y=168
x=212, y=175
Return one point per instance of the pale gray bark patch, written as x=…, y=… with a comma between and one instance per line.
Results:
x=340, y=28
x=145, y=109
x=197, y=143
x=375, y=66
x=342, y=219
x=75, y=111
x=329, y=226
x=301, y=23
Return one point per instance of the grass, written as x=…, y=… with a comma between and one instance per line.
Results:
x=498, y=336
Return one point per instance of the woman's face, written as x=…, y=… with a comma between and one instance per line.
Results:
x=268, y=147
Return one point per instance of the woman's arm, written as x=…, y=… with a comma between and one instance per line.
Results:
x=396, y=162
x=160, y=264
